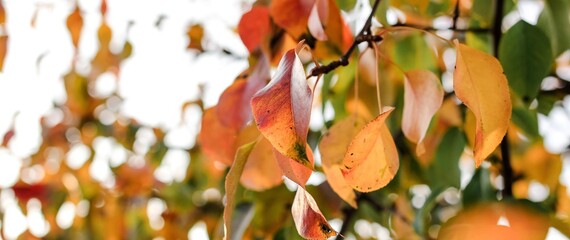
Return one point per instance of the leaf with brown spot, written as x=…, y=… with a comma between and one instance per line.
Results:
x=479, y=82
x=282, y=109
x=217, y=141
x=231, y=184
x=333, y=147
x=309, y=221
x=254, y=27
x=423, y=96
x=371, y=160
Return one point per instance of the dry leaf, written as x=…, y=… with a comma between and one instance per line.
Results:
x=309, y=221
x=254, y=27
x=294, y=170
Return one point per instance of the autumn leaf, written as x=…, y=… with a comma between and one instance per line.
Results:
x=291, y=15
x=309, y=221
x=232, y=182
x=254, y=27
x=318, y=19
x=333, y=147
x=233, y=107
x=423, y=96
x=261, y=171
x=195, y=34
x=480, y=83
x=282, y=109
x=327, y=25
x=294, y=170
x=371, y=160
x=75, y=24
x=217, y=141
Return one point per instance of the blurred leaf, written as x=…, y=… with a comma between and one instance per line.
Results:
x=291, y=15
x=254, y=27
x=444, y=170
x=412, y=52
x=195, y=34
x=525, y=69
x=346, y=5
x=75, y=24
x=555, y=23
x=231, y=184
x=479, y=188
x=527, y=121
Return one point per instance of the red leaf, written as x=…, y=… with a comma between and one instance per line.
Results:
x=217, y=141
x=291, y=15
x=254, y=26
x=282, y=109
x=233, y=107
x=309, y=221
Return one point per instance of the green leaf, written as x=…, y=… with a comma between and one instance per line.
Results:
x=555, y=23
x=413, y=52
x=526, y=120
x=526, y=57
x=232, y=183
x=346, y=5
x=444, y=170
x=380, y=13
x=479, y=188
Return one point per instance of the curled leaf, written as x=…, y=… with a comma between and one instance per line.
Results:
x=318, y=19
x=309, y=221
x=423, y=96
x=231, y=184
x=371, y=160
x=282, y=109
x=479, y=82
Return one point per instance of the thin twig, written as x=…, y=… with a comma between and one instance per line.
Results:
x=452, y=28
x=363, y=36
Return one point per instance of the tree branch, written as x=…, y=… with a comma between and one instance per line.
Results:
x=507, y=169
x=363, y=36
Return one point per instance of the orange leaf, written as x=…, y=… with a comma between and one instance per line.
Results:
x=231, y=184
x=371, y=160
x=261, y=171
x=233, y=107
x=75, y=24
x=480, y=83
x=294, y=170
x=333, y=147
x=282, y=109
x=195, y=34
x=254, y=26
x=309, y=221
x=217, y=141
x=291, y=15
x=423, y=96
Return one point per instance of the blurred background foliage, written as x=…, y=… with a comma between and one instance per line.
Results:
x=99, y=172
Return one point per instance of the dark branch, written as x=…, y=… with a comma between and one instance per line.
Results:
x=363, y=36
x=507, y=169
x=453, y=28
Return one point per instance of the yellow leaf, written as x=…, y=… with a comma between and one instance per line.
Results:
x=480, y=83
x=333, y=147
x=371, y=160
